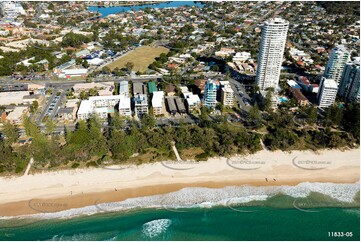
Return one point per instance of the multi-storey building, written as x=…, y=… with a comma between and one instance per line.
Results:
x=272, y=46
x=140, y=104
x=157, y=102
x=349, y=86
x=227, y=96
x=210, y=94
x=327, y=93
x=336, y=63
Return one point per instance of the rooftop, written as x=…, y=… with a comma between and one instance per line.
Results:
x=86, y=106
x=329, y=83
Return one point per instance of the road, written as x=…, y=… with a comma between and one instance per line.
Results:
x=240, y=94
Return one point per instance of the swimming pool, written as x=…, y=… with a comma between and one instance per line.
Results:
x=283, y=99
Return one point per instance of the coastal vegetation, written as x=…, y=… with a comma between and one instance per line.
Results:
x=126, y=141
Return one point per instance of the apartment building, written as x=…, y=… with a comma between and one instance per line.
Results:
x=327, y=93
x=227, y=96
x=158, y=102
x=270, y=57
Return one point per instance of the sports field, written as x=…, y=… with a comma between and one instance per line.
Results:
x=141, y=57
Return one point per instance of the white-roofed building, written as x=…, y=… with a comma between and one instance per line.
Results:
x=293, y=84
x=158, y=102
x=124, y=88
x=95, y=61
x=105, y=101
x=73, y=73
x=192, y=101
x=241, y=56
x=85, y=110
x=101, y=112
x=327, y=93
x=17, y=115
x=8, y=98
x=125, y=106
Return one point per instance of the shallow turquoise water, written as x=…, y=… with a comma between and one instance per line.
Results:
x=113, y=10
x=217, y=223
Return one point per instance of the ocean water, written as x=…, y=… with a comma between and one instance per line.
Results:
x=105, y=11
x=307, y=211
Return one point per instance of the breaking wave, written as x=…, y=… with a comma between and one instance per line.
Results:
x=209, y=197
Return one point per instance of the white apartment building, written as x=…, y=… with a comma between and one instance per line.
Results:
x=105, y=101
x=157, y=102
x=336, y=63
x=85, y=110
x=349, y=86
x=192, y=101
x=272, y=46
x=327, y=92
x=125, y=106
x=103, y=105
x=227, y=96
x=241, y=56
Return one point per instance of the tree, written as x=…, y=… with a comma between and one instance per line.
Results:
x=74, y=40
x=254, y=114
x=49, y=126
x=129, y=66
x=10, y=133
x=34, y=106
x=106, y=70
x=78, y=61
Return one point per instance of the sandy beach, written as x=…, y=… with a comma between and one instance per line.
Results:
x=51, y=191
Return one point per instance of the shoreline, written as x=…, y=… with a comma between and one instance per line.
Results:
x=67, y=189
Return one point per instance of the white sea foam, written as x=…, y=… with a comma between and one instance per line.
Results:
x=208, y=197
x=156, y=227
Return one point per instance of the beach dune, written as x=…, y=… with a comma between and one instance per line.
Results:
x=52, y=191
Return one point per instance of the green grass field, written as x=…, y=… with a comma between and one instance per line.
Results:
x=142, y=57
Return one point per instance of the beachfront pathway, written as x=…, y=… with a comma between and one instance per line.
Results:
x=176, y=152
x=29, y=166
x=262, y=144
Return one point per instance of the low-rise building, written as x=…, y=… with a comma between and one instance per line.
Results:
x=299, y=97
x=29, y=99
x=8, y=98
x=180, y=105
x=124, y=88
x=170, y=89
x=104, y=88
x=66, y=114
x=17, y=115
x=172, y=109
x=68, y=73
x=152, y=87
x=139, y=88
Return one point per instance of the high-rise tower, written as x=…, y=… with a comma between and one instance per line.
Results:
x=336, y=63
x=270, y=56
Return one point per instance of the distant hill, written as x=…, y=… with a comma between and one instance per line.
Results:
x=341, y=7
